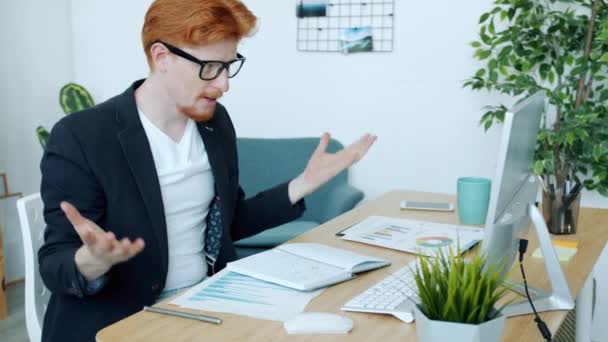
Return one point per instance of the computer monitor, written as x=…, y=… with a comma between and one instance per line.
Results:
x=514, y=185
x=512, y=206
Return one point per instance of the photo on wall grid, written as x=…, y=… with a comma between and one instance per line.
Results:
x=345, y=26
x=357, y=39
x=311, y=8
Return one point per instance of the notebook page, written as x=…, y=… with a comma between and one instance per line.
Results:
x=341, y=258
x=288, y=269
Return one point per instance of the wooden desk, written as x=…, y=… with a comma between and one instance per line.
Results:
x=145, y=326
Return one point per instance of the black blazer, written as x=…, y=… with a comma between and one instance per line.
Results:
x=100, y=161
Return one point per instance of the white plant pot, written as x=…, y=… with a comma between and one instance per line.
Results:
x=435, y=331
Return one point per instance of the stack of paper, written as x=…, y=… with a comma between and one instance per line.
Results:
x=412, y=236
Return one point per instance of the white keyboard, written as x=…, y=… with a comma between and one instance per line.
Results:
x=389, y=296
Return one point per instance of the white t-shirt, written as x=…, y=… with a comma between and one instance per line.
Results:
x=187, y=188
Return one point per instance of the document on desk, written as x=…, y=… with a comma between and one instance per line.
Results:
x=412, y=236
x=305, y=266
x=239, y=294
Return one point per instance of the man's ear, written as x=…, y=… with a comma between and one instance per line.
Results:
x=159, y=56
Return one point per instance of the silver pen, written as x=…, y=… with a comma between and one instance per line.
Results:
x=204, y=318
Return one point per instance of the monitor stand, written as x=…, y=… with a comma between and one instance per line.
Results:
x=559, y=297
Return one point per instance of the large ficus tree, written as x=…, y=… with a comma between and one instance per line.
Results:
x=560, y=47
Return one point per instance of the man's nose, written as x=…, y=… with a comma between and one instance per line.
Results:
x=222, y=81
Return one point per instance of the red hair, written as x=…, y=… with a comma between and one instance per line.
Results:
x=195, y=22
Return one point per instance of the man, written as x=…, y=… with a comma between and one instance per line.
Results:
x=141, y=193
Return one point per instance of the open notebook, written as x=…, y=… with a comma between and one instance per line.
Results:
x=305, y=266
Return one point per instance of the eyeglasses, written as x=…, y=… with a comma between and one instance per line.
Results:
x=210, y=70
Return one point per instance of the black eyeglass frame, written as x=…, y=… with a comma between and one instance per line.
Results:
x=225, y=65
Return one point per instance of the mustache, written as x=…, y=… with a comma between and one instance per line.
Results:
x=214, y=94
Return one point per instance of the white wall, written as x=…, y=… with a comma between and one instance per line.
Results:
x=36, y=61
x=411, y=98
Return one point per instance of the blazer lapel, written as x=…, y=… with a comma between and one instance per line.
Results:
x=213, y=145
x=136, y=149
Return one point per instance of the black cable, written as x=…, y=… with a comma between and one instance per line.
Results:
x=542, y=326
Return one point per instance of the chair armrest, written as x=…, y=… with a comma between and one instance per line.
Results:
x=339, y=200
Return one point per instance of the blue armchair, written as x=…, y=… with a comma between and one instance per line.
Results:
x=267, y=162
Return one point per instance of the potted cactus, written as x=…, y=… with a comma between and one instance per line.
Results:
x=72, y=98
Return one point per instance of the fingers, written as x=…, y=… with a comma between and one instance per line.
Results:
x=137, y=246
x=364, y=145
x=114, y=251
x=366, y=140
x=121, y=249
x=125, y=249
x=358, y=149
x=323, y=143
x=85, y=228
x=80, y=224
x=104, y=244
x=73, y=215
x=100, y=243
x=88, y=236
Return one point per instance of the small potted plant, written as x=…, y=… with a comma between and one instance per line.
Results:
x=457, y=298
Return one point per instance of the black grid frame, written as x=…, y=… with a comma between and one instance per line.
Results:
x=322, y=34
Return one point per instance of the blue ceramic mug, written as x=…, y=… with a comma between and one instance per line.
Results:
x=473, y=195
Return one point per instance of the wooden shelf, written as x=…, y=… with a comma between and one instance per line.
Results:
x=4, y=194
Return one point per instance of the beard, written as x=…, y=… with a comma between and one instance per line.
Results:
x=198, y=115
x=201, y=113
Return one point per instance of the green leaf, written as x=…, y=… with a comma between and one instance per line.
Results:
x=544, y=70
x=487, y=124
x=491, y=28
x=43, y=136
x=559, y=68
x=486, y=39
x=511, y=13
x=484, y=17
x=604, y=58
x=503, y=15
x=505, y=51
x=551, y=77
x=492, y=64
x=475, y=44
x=597, y=152
x=570, y=137
x=539, y=167
x=569, y=60
x=483, y=54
